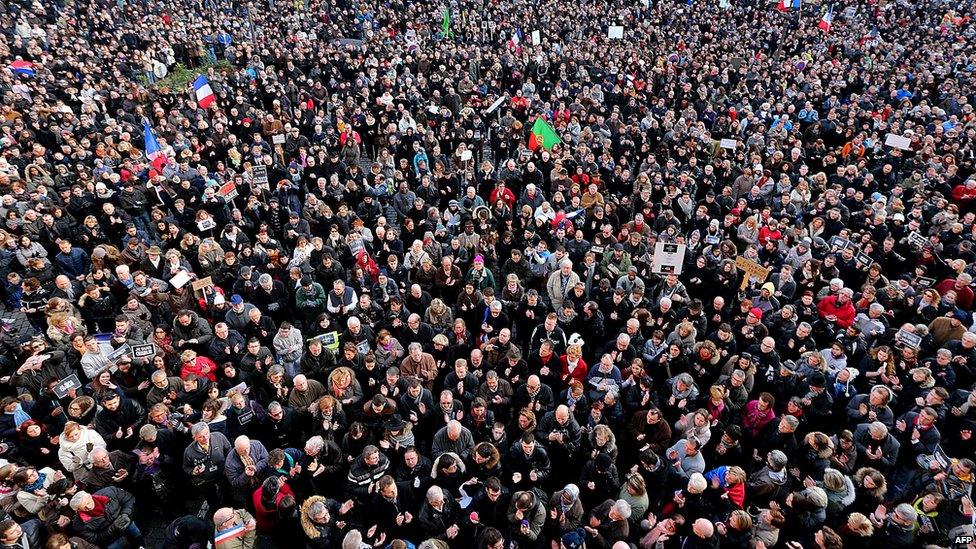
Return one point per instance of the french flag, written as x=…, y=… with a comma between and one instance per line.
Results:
x=25, y=68
x=788, y=4
x=205, y=95
x=516, y=39
x=827, y=20
x=153, y=151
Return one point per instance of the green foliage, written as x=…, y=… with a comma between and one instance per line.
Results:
x=180, y=76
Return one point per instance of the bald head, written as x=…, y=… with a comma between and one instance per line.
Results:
x=242, y=444
x=223, y=515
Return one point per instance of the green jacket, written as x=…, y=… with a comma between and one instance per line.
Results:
x=308, y=302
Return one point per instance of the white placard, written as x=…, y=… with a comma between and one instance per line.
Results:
x=668, y=258
x=179, y=279
x=536, y=38
x=278, y=139
x=494, y=106
x=615, y=32
x=898, y=142
x=728, y=144
x=465, y=156
x=206, y=224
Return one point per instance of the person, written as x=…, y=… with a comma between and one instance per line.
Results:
x=204, y=461
x=105, y=517
x=233, y=529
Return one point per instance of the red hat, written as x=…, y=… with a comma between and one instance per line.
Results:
x=756, y=312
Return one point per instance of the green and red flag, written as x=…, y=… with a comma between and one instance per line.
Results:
x=543, y=135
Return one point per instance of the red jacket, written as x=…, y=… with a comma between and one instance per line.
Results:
x=964, y=297
x=507, y=195
x=960, y=193
x=845, y=313
x=197, y=367
x=266, y=518
x=579, y=373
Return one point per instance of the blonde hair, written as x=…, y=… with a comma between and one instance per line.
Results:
x=740, y=520
x=574, y=351
x=71, y=427
x=340, y=374
x=833, y=479
x=737, y=473
x=860, y=524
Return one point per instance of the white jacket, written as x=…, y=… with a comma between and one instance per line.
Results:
x=76, y=455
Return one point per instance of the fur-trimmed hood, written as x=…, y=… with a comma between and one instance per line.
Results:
x=437, y=462
x=310, y=530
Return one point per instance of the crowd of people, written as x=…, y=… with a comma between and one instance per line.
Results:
x=348, y=305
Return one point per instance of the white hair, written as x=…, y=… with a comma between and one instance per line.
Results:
x=435, y=493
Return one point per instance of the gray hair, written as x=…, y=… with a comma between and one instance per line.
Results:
x=353, y=540
x=199, y=428
x=76, y=500
x=315, y=443
x=435, y=493
x=264, y=278
x=906, y=512
x=697, y=482
x=878, y=428
x=274, y=407
x=315, y=509
x=622, y=508
x=414, y=346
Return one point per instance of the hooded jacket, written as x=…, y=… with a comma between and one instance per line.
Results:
x=320, y=536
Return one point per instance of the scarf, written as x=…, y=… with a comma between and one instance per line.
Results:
x=573, y=491
x=286, y=465
x=20, y=416
x=38, y=484
x=97, y=511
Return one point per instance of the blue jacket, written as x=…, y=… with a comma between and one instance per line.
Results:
x=74, y=263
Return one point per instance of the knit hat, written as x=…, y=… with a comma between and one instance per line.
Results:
x=756, y=312
x=574, y=539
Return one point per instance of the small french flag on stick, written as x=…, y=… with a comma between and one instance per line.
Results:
x=203, y=91
x=154, y=152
